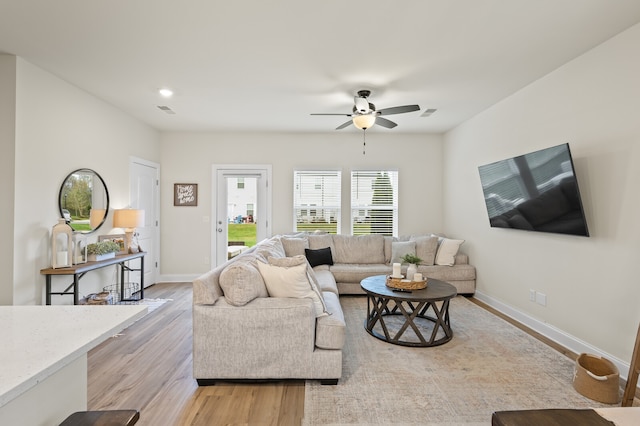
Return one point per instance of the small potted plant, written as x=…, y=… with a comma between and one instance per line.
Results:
x=413, y=262
x=102, y=250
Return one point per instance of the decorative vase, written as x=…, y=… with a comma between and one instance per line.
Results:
x=411, y=270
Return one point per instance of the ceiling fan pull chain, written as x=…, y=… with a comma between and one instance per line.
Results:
x=364, y=141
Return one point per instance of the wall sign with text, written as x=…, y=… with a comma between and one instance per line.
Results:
x=185, y=194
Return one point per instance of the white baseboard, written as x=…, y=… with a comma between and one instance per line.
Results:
x=177, y=278
x=560, y=337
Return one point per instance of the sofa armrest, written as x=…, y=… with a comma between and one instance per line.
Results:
x=461, y=259
x=206, y=290
x=253, y=340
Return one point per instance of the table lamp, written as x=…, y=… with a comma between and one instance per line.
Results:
x=129, y=220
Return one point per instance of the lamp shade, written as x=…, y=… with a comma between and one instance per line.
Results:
x=364, y=121
x=128, y=218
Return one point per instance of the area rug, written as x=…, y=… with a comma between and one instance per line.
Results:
x=152, y=304
x=489, y=365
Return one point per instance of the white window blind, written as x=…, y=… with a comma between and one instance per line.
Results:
x=316, y=200
x=374, y=202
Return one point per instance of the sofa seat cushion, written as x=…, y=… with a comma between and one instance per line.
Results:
x=358, y=248
x=448, y=273
x=325, y=280
x=354, y=273
x=331, y=329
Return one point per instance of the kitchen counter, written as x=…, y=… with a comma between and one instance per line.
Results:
x=47, y=346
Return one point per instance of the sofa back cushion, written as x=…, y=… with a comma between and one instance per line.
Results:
x=358, y=248
x=242, y=282
x=322, y=241
x=294, y=246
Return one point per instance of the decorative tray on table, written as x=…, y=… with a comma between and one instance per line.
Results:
x=402, y=284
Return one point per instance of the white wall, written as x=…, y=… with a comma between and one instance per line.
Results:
x=592, y=284
x=7, y=155
x=188, y=157
x=60, y=128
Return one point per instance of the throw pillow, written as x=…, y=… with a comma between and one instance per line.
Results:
x=447, y=250
x=319, y=257
x=241, y=283
x=426, y=248
x=293, y=281
x=288, y=262
x=294, y=246
x=400, y=248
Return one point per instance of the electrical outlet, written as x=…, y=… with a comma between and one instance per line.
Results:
x=541, y=299
x=206, y=260
x=532, y=295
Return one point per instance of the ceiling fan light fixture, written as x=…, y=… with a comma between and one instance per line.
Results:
x=364, y=121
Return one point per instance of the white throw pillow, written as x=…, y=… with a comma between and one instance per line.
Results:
x=447, y=250
x=400, y=248
x=292, y=281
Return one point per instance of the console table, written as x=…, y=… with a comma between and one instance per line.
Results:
x=78, y=272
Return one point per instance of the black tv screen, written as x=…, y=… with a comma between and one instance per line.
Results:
x=535, y=192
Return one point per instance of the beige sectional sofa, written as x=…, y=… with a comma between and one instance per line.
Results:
x=242, y=332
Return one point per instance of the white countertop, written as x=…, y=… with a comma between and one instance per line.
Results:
x=37, y=341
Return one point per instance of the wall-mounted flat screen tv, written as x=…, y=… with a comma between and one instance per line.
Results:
x=535, y=192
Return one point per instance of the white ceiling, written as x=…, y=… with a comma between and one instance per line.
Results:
x=266, y=65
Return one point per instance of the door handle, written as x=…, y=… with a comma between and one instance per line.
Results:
x=219, y=229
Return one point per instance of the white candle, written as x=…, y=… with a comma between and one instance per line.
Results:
x=417, y=276
x=396, y=270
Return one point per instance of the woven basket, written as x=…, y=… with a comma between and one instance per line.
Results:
x=597, y=378
x=401, y=284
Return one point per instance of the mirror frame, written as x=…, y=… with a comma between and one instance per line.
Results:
x=106, y=194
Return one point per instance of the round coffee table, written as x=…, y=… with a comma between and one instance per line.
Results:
x=418, y=310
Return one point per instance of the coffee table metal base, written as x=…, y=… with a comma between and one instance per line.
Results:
x=378, y=308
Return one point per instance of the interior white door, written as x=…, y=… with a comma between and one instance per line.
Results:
x=262, y=209
x=144, y=194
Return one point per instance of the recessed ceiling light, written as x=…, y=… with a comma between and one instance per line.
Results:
x=165, y=93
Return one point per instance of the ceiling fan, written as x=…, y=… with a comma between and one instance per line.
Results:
x=365, y=115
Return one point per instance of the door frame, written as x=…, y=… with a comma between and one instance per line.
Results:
x=239, y=169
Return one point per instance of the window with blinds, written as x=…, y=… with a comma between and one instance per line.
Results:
x=374, y=202
x=316, y=200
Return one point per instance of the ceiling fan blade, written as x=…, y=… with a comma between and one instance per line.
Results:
x=342, y=126
x=398, y=109
x=385, y=123
x=329, y=113
x=361, y=104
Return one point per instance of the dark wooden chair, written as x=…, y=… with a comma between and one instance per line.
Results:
x=102, y=418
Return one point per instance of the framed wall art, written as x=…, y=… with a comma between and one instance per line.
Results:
x=185, y=194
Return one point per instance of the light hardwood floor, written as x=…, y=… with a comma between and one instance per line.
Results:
x=148, y=367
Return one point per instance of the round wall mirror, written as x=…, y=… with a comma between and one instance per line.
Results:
x=84, y=200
